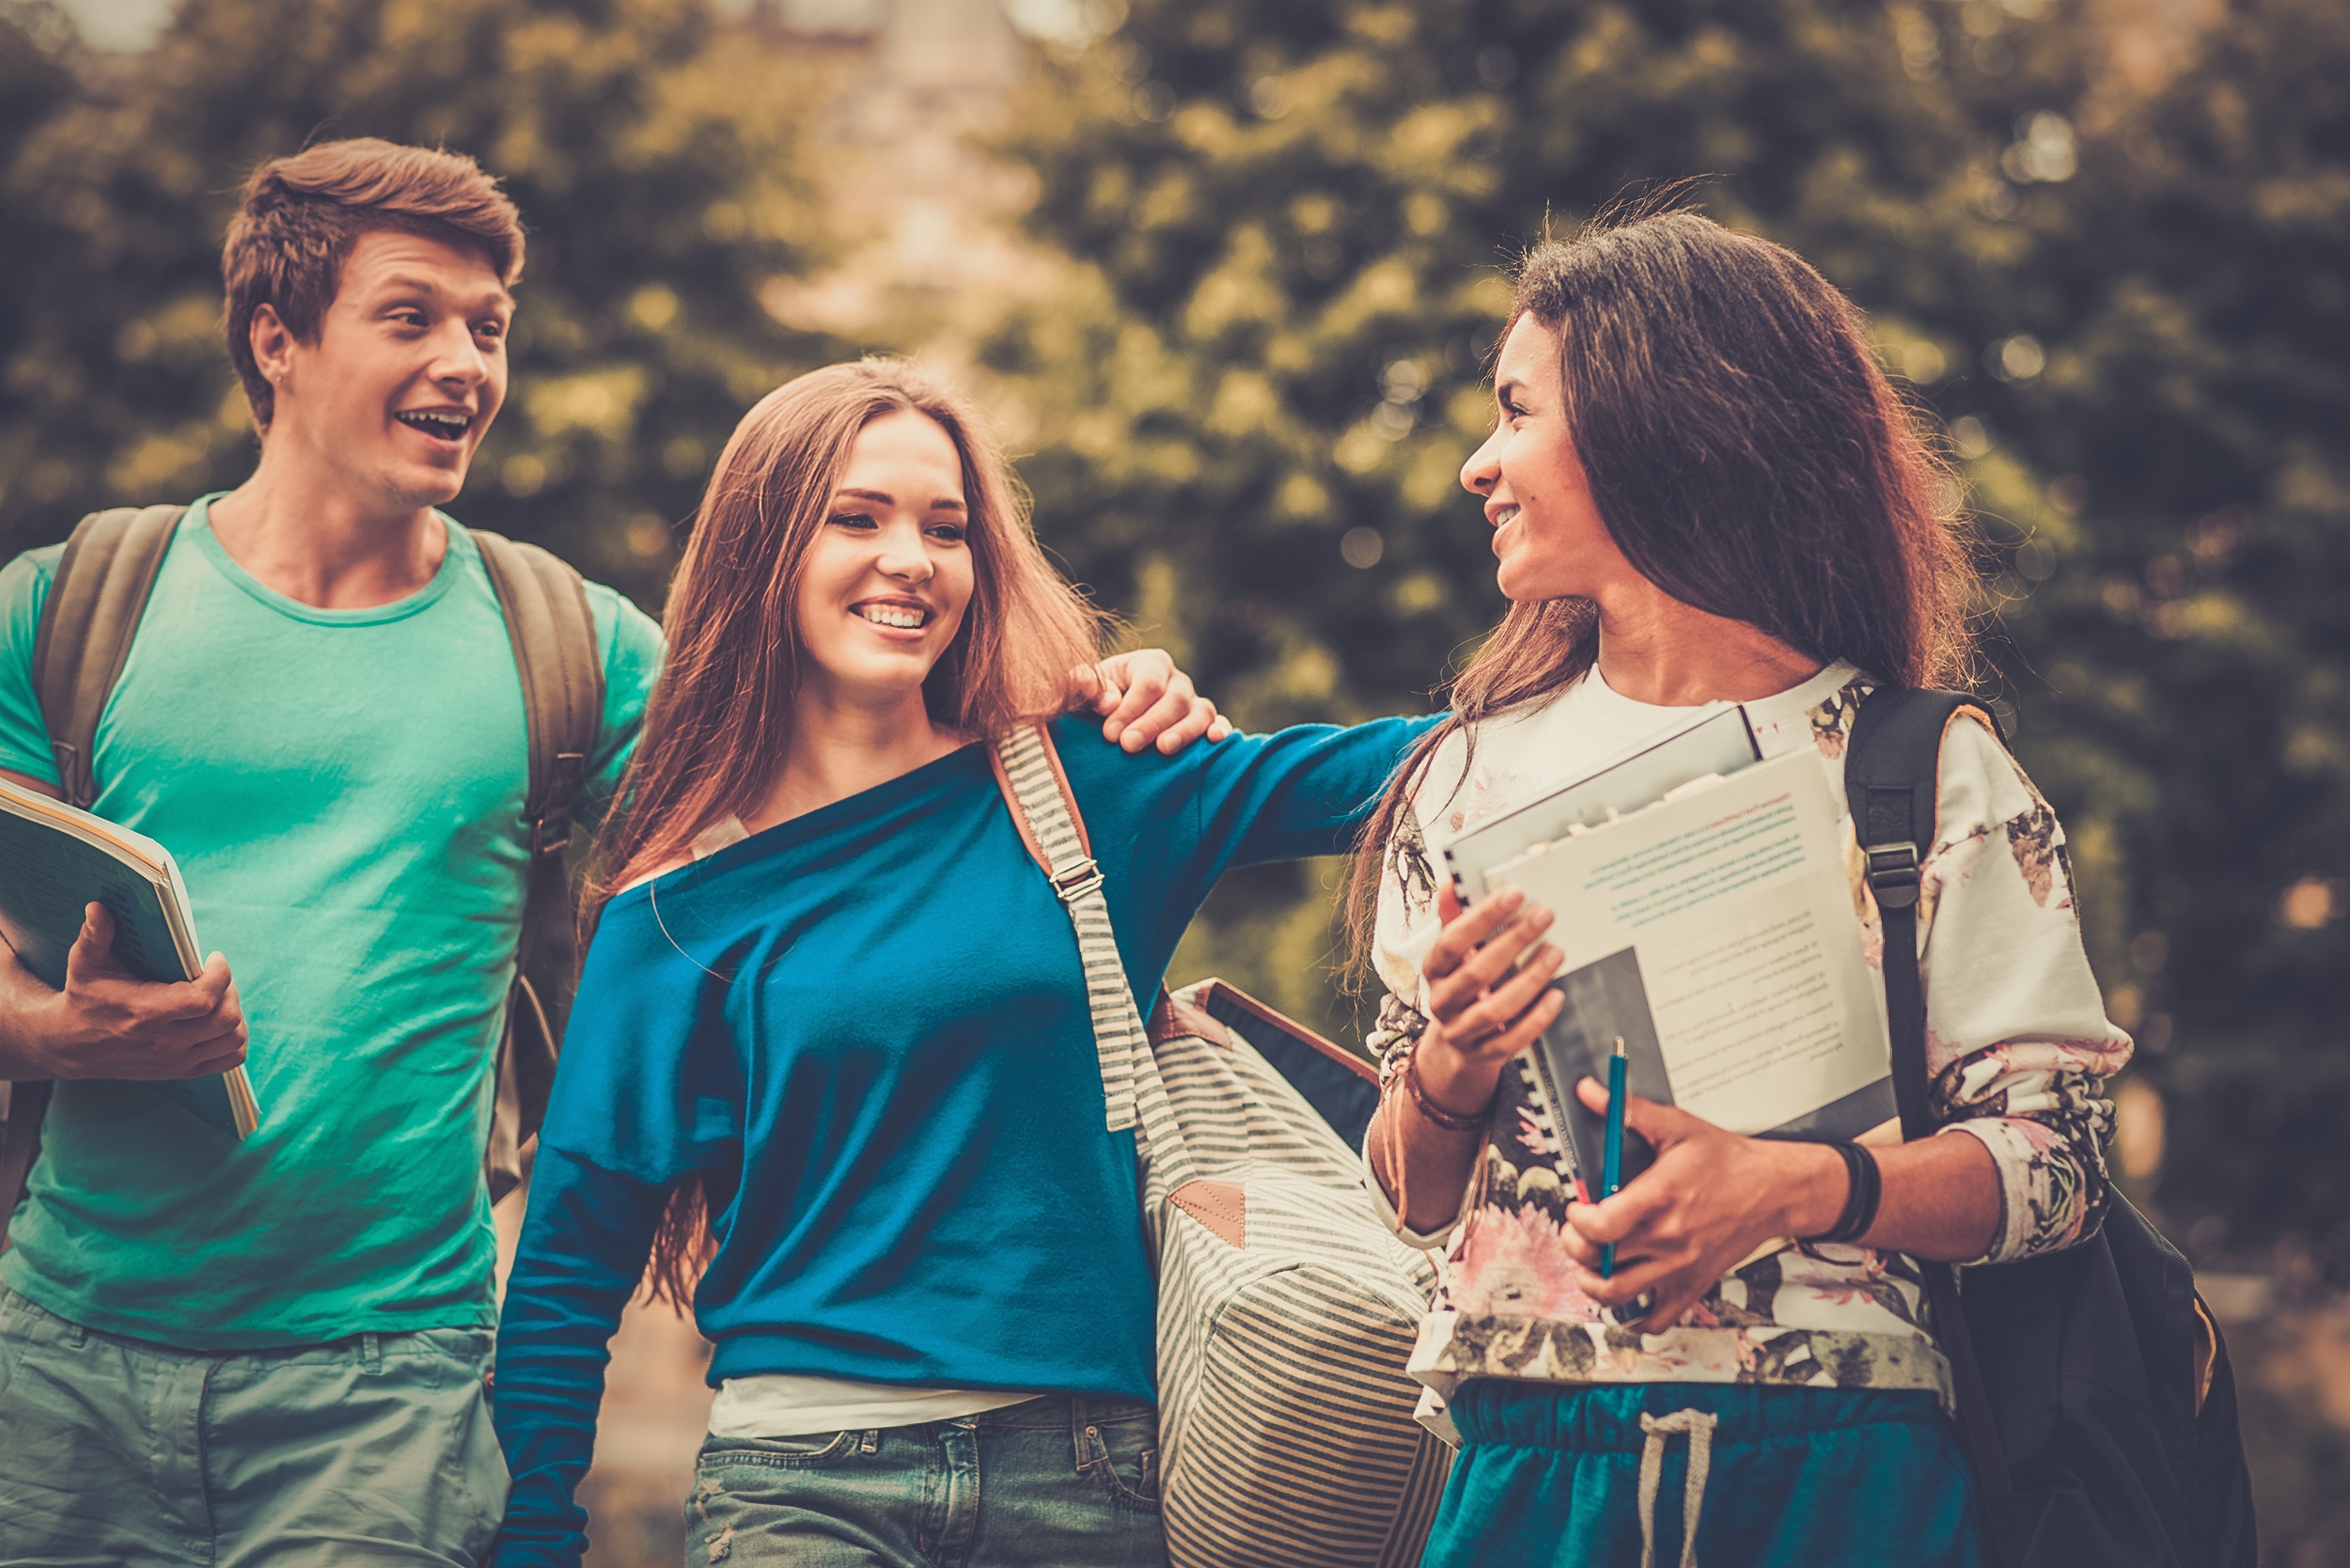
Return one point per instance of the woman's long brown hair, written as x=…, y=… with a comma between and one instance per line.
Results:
x=1747, y=455
x=718, y=723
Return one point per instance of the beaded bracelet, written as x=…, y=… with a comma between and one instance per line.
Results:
x=1865, y=1187
x=1451, y=1122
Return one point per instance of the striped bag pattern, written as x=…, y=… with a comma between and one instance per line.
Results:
x=1285, y=1312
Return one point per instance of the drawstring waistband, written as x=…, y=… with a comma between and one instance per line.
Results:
x=1699, y=1427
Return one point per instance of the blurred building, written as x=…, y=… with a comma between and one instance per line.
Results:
x=932, y=218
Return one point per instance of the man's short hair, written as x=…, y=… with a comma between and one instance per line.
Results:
x=301, y=216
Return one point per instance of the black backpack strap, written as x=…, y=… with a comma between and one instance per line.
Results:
x=1893, y=776
x=553, y=629
x=95, y=601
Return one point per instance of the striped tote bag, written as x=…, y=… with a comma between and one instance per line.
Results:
x=1285, y=1313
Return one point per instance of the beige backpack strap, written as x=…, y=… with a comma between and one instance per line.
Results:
x=1028, y=772
x=87, y=623
x=95, y=601
x=553, y=629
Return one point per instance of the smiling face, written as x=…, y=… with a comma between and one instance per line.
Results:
x=1547, y=531
x=407, y=372
x=884, y=584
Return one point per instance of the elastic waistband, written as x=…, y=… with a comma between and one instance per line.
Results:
x=1604, y=1418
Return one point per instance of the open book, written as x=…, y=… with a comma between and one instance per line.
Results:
x=1713, y=933
x=55, y=860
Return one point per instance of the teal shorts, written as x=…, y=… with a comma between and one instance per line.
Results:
x=373, y=1450
x=1549, y=1477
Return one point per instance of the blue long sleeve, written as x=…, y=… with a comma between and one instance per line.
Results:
x=875, y=1015
x=583, y=1250
x=1166, y=828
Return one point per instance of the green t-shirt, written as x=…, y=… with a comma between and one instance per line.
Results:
x=343, y=789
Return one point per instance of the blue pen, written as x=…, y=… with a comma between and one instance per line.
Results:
x=1611, y=1170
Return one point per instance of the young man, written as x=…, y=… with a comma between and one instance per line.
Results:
x=223, y=1353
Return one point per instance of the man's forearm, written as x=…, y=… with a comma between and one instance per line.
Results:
x=23, y=1051
x=106, y=1024
x=21, y=1063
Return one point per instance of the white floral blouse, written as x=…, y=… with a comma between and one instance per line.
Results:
x=2017, y=1044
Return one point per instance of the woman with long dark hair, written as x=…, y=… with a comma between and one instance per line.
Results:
x=832, y=1061
x=1704, y=491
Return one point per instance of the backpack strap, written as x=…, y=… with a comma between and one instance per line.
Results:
x=92, y=612
x=553, y=629
x=95, y=601
x=1892, y=779
x=20, y=1140
x=1029, y=770
x=554, y=632
x=87, y=623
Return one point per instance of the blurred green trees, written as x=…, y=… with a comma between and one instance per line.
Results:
x=657, y=163
x=1286, y=227
x=2186, y=661
x=1281, y=232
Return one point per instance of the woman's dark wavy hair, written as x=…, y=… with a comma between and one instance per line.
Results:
x=1748, y=455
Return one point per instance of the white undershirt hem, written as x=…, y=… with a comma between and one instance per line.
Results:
x=775, y=1404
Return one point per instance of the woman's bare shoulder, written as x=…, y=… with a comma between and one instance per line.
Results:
x=709, y=841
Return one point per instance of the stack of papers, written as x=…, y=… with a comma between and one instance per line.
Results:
x=1711, y=927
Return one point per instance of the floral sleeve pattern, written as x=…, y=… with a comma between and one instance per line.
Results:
x=2017, y=1037
x=2018, y=1052
x=1396, y=1031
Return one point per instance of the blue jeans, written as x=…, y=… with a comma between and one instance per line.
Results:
x=1549, y=1475
x=373, y=1450
x=1072, y=1482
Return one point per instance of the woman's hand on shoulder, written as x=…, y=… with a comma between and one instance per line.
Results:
x=1145, y=700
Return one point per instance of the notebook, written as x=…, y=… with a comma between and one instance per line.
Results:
x=54, y=860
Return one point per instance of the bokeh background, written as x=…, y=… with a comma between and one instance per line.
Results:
x=1225, y=270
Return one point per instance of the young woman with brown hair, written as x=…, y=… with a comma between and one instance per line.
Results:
x=1703, y=490
x=832, y=1056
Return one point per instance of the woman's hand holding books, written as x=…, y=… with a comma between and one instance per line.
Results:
x=1707, y=1202
x=1486, y=991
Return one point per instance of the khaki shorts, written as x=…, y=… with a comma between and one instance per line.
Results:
x=377, y=1449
